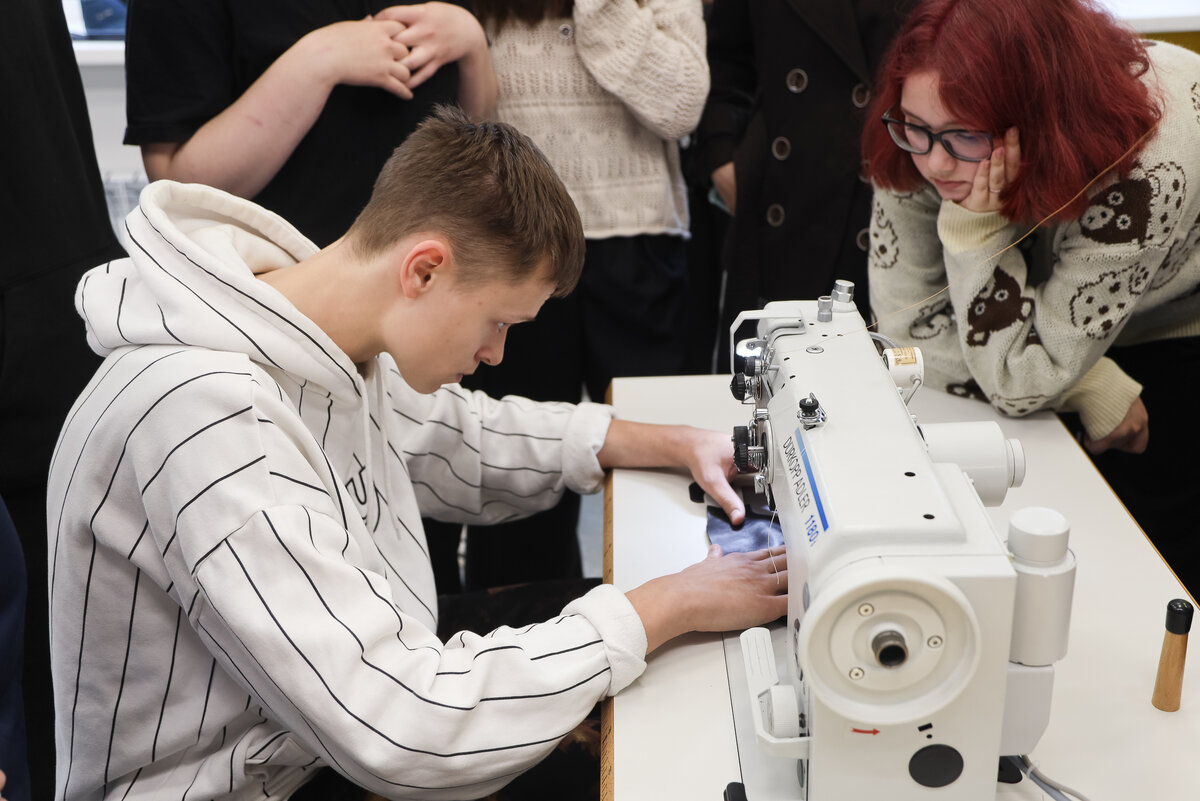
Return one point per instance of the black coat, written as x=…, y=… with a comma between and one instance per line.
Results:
x=790, y=82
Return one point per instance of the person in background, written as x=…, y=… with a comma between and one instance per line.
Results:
x=295, y=105
x=54, y=225
x=780, y=140
x=605, y=88
x=1036, y=231
x=12, y=634
x=243, y=597
x=708, y=223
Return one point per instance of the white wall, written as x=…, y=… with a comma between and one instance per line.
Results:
x=1157, y=16
x=102, y=67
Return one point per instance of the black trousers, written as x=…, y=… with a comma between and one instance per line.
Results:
x=627, y=317
x=45, y=362
x=12, y=633
x=1161, y=487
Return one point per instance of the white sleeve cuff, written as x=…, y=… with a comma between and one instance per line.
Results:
x=582, y=440
x=607, y=608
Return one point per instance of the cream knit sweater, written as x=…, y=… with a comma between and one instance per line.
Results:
x=1027, y=328
x=606, y=94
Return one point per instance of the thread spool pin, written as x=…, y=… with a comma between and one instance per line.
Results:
x=1168, y=685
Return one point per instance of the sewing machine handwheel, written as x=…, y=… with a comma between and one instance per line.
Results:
x=849, y=640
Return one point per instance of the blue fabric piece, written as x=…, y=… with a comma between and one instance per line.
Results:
x=755, y=533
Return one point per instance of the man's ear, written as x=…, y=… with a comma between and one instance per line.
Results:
x=423, y=265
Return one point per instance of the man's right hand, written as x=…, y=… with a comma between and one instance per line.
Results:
x=719, y=593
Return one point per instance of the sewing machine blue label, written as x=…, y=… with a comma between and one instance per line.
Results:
x=804, y=487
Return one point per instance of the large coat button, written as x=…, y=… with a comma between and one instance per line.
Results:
x=797, y=80
x=781, y=148
x=860, y=95
x=863, y=240
x=775, y=215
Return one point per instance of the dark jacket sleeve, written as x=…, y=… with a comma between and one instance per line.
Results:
x=734, y=79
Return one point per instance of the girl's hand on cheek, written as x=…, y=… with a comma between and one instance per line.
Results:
x=994, y=175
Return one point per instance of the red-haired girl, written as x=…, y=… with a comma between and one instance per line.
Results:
x=995, y=118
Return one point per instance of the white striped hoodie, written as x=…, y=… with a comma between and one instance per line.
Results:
x=240, y=586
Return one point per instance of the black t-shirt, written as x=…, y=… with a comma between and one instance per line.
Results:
x=52, y=209
x=188, y=60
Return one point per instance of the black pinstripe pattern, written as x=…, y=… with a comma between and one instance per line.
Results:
x=284, y=617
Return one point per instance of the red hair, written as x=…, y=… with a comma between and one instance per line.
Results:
x=1062, y=71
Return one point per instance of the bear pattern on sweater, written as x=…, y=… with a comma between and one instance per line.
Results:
x=997, y=307
x=1142, y=207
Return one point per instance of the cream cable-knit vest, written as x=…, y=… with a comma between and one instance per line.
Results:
x=623, y=174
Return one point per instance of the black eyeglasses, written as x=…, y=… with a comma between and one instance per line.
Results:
x=964, y=145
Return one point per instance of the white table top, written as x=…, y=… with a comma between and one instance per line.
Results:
x=673, y=735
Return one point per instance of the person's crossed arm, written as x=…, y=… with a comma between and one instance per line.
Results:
x=241, y=149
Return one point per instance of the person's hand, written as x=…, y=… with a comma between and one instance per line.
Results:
x=994, y=175
x=365, y=52
x=725, y=182
x=720, y=593
x=1131, y=435
x=707, y=454
x=436, y=33
x=709, y=458
x=3, y=779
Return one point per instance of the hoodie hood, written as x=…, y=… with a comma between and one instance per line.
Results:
x=189, y=279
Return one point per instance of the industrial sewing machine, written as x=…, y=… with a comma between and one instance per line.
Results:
x=920, y=645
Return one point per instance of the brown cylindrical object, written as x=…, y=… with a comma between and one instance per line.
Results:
x=1168, y=685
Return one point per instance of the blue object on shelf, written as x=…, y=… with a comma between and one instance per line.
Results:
x=104, y=19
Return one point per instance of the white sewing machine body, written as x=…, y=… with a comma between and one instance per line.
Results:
x=903, y=600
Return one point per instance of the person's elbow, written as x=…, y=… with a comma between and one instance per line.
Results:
x=158, y=159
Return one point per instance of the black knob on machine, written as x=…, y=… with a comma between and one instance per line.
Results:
x=739, y=386
x=741, y=458
x=741, y=448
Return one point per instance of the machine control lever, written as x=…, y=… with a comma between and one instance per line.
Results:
x=776, y=712
x=810, y=412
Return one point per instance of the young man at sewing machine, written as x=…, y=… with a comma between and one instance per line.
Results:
x=240, y=585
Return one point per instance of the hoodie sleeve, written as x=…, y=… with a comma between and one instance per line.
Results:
x=734, y=80
x=373, y=693
x=477, y=459
x=279, y=579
